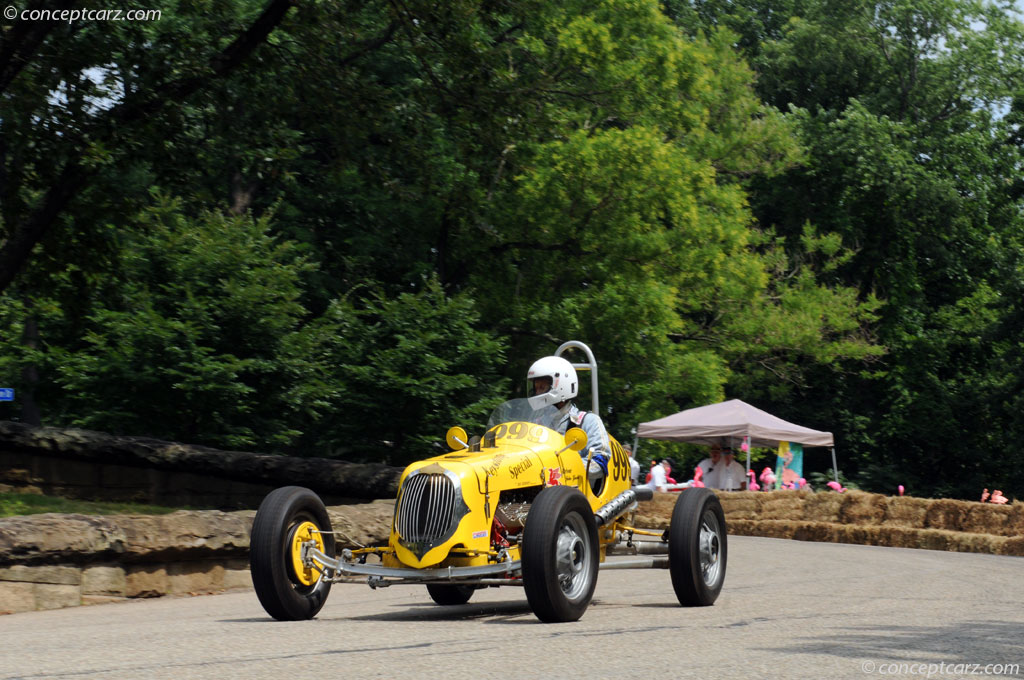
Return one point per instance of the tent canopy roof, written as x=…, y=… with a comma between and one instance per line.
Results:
x=731, y=420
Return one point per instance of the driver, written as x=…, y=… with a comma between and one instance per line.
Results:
x=553, y=381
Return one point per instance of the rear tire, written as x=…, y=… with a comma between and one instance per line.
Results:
x=286, y=592
x=560, y=555
x=449, y=595
x=697, y=547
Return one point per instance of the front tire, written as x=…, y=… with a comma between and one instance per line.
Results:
x=287, y=517
x=449, y=595
x=697, y=547
x=560, y=555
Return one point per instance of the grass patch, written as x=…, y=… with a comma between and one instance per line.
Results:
x=14, y=504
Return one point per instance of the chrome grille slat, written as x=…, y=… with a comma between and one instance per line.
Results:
x=430, y=521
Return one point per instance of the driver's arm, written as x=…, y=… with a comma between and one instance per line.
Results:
x=597, y=440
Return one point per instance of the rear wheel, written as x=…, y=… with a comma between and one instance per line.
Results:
x=448, y=595
x=560, y=555
x=697, y=547
x=288, y=589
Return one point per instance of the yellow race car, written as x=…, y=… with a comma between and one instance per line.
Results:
x=513, y=507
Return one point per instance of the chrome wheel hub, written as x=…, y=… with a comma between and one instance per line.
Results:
x=710, y=549
x=572, y=552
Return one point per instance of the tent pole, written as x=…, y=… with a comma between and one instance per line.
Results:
x=636, y=443
x=835, y=466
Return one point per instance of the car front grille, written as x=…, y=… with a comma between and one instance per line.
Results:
x=429, y=509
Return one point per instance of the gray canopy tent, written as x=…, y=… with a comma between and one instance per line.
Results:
x=731, y=421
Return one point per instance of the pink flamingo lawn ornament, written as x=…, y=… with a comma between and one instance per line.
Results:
x=998, y=497
x=801, y=483
x=697, y=475
x=836, y=486
x=984, y=495
x=767, y=478
x=900, y=489
x=752, y=485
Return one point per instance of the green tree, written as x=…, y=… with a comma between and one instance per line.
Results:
x=911, y=161
x=193, y=340
x=401, y=371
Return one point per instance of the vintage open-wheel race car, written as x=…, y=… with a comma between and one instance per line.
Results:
x=514, y=507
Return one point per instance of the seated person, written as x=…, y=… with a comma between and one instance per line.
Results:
x=721, y=471
x=554, y=383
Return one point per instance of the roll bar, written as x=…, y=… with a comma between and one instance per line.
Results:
x=591, y=366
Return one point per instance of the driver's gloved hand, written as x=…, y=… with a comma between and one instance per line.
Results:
x=594, y=468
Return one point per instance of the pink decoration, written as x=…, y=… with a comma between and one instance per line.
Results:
x=900, y=489
x=752, y=485
x=697, y=475
x=745, y=446
x=836, y=486
x=984, y=495
x=801, y=483
x=998, y=497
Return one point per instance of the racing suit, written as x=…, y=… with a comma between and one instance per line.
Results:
x=597, y=436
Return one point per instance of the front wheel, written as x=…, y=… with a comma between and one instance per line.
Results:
x=288, y=589
x=697, y=547
x=560, y=555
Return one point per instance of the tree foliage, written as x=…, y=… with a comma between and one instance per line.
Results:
x=382, y=213
x=909, y=114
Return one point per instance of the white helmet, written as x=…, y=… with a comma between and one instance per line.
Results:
x=564, y=384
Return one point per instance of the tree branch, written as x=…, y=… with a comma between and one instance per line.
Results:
x=19, y=44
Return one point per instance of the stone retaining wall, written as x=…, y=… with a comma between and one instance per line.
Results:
x=91, y=465
x=51, y=561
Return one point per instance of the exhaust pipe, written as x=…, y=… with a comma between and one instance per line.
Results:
x=620, y=504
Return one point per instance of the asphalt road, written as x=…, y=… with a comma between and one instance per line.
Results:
x=788, y=610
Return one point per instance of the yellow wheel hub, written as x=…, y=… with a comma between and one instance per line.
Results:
x=307, y=531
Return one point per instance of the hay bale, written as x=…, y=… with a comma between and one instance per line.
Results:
x=946, y=514
x=778, y=528
x=741, y=505
x=933, y=539
x=819, y=532
x=657, y=512
x=897, y=536
x=1012, y=546
x=743, y=527
x=784, y=505
x=985, y=518
x=851, y=533
x=1015, y=522
x=890, y=536
x=976, y=543
x=905, y=511
x=862, y=508
x=823, y=507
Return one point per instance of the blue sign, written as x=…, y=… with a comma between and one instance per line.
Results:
x=6, y=394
